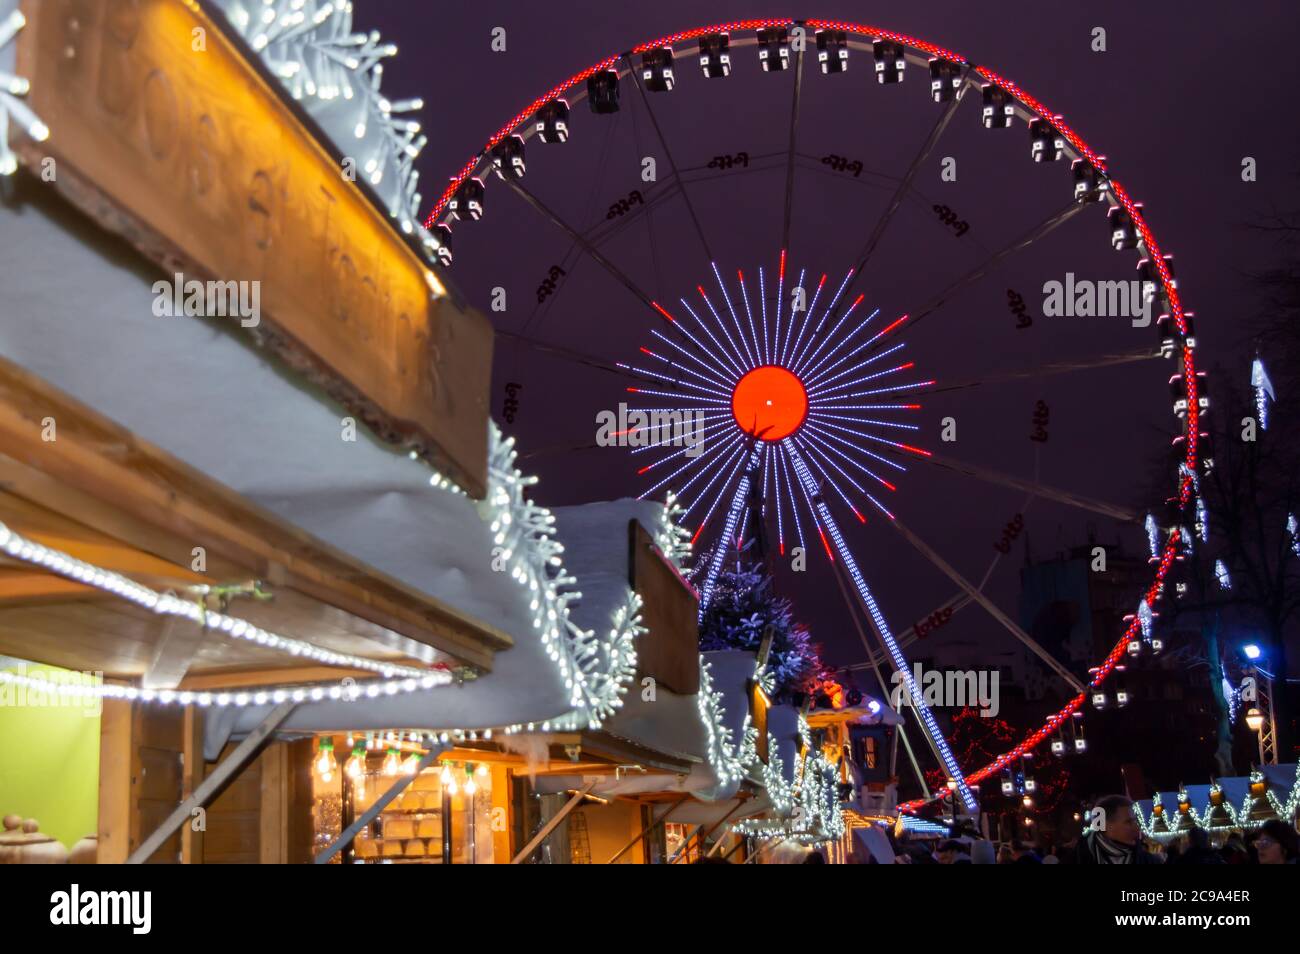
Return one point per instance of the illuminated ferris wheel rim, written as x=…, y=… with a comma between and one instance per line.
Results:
x=1026, y=107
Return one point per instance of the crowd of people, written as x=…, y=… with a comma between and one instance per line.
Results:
x=1119, y=842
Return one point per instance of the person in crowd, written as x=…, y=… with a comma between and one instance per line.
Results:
x=1234, y=850
x=952, y=852
x=1118, y=841
x=815, y=857
x=1197, y=850
x=1024, y=853
x=1005, y=857
x=1275, y=843
x=982, y=852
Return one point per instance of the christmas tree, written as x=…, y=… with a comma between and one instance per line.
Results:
x=742, y=609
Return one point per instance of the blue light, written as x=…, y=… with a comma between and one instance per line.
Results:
x=1252, y=651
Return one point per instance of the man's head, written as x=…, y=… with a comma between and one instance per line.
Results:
x=1276, y=843
x=1119, y=824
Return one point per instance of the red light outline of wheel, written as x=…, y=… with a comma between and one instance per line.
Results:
x=1121, y=197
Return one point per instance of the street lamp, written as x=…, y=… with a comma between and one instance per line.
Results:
x=1254, y=719
x=1262, y=718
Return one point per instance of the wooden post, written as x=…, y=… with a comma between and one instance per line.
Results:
x=191, y=777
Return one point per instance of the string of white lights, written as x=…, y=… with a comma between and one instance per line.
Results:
x=62, y=564
x=347, y=690
x=722, y=749
x=1239, y=817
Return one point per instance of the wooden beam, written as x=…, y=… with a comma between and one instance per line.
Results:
x=177, y=646
x=126, y=485
x=20, y=587
x=192, y=770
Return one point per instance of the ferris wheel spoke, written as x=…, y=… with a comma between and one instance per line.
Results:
x=791, y=152
x=606, y=229
x=993, y=610
x=570, y=354
x=905, y=184
x=959, y=601
x=1044, y=228
x=782, y=467
x=1032, y=487
x=727, y=447
x=803, y=325
x=820, y=379
x=582, y=242
x=668, y=154
x=558, y=449
x=1104, y=361
x=797, y=359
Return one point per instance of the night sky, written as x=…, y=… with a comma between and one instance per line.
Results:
x=1181, y=95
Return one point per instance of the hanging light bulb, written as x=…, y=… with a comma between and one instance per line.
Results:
x=391, y=762
x=482, y=770
x=355, y=766
x=471, y=786
x=411, y=763
x=445, y=776
x=326, y=765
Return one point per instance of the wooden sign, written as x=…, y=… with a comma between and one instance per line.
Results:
x=669, y=652
x=163, y=132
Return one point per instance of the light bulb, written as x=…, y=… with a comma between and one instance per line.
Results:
x=481, y=771
x=391, y=764
x=355, y=766
x=471, y=787
x=445, y=777
x=326, y=765
x=410, y=764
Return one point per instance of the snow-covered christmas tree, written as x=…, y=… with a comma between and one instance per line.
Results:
x=742, y=608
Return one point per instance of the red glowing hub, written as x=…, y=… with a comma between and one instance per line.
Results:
x=769, y=402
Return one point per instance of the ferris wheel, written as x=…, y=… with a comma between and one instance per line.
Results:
x=771, y=382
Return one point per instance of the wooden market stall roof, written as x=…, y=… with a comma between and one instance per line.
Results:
x=103, y=495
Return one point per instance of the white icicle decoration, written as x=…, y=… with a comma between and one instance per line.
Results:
x=1153, y=536
x=1263, y=391
x=335, y=74
x=1146, y=619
